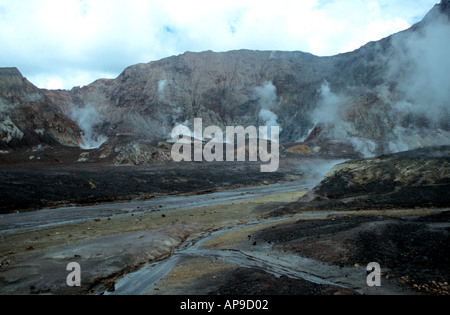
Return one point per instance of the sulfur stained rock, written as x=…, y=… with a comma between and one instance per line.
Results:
x=418, y=178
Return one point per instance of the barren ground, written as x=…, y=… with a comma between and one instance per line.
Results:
x=223, y=241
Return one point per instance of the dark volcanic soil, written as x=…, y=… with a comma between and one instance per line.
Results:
x=412, y=250
x=34, y=187
x=245, y=281
x=405, y=180
x=415, y=250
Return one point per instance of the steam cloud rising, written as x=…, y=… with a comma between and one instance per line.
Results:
x=87, y=118
x=267, y=100
x=420, y=65
x=414, y=103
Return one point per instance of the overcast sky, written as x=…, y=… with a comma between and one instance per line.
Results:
x=66, y=43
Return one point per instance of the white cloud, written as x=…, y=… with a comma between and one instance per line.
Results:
x=69, y=42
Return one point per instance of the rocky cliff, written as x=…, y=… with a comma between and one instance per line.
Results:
x=28, y=117
x=387, y=96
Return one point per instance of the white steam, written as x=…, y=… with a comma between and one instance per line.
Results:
x=87, y=118
x=267, y=100
x=419, y=65
x=314, y=171
x=330, y=113
x=161, y=88
x=268, y=117
x=330, y=108
x=412, y=109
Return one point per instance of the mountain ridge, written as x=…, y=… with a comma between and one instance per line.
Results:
x=247, y=87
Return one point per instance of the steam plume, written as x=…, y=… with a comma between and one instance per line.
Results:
x=267, y=100
x=87, y=118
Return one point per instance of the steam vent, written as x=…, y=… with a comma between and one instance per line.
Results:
x=207, y=176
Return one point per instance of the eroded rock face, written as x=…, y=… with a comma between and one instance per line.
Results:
x=28, y=117
x=352, y=104
x=358, y=104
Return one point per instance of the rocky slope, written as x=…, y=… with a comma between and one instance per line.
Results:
x=387, y=96
x=358, y=99
x=29, y=118
x=417, y=178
